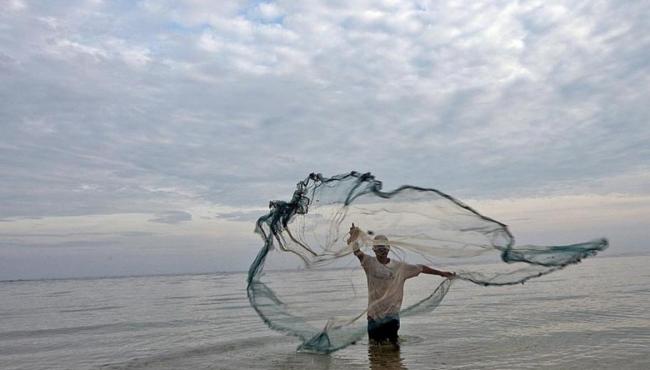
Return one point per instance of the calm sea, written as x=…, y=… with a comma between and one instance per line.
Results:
x=594, y=315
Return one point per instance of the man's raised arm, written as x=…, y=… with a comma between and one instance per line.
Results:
x=355, y=232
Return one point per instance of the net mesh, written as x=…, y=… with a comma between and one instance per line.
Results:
x=322, y=302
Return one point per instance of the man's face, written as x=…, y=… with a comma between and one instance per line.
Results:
x=381, y=250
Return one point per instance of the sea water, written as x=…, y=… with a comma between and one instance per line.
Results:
x=593, y=315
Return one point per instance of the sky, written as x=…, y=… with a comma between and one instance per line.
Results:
x=146, y=137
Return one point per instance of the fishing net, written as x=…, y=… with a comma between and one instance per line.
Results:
x=315, y=287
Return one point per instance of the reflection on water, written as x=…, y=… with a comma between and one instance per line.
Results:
x=385, y=357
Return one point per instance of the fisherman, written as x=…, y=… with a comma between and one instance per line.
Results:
x=386, y=279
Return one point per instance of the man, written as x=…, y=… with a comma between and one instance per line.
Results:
x=386, y=279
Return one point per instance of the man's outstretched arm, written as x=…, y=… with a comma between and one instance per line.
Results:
x=431, y=271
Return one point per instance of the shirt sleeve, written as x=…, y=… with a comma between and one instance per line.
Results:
x=410, y=271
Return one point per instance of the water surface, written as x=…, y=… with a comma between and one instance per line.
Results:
x=593, y=315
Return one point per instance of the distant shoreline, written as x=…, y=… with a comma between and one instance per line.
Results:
x=619, y=255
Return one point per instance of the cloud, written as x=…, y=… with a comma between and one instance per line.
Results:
x=172, y=217
x=120, y=107
x=490, y=98
x=250, y=216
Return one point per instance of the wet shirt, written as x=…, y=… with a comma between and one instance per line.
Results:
x=386, y=285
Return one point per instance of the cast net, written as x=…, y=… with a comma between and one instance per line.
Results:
x=315, y=288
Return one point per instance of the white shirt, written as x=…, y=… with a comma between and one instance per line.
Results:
x=386, y=285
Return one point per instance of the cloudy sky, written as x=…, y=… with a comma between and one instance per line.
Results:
x=145, y=137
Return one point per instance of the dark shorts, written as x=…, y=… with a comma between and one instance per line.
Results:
x=384, y=329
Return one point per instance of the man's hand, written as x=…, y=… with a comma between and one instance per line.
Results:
x=355, y=232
